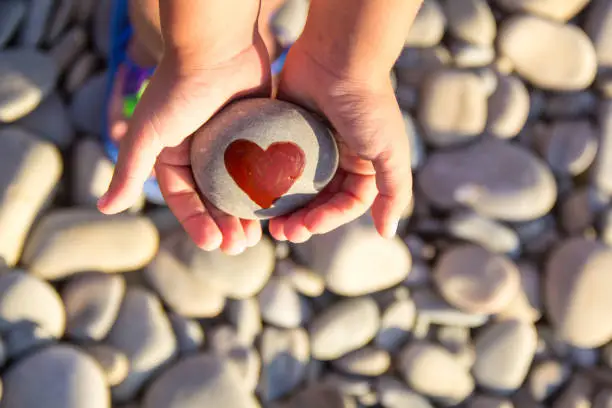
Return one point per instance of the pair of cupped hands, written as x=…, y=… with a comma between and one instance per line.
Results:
x=186, y=91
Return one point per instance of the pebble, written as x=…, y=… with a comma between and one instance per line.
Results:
x=432, y=371
x=417, y=147
x=68, y=47
x=114, y=363
x=523, y=191
x=570, y=146
x=87, y=108
x=84, y=10
x=415, y=64
x=431, y=307
x=80, y=71
x=570, y=65
x=452, y=108
x=26, y=78
x=245, y=316
x=322, y=396
x=407, y=97
x=347, y=256
x=603, y=163
x=106, y=243
x=282, y=306
x=31, y=169
x=358, y=316
x=580, y=208
x=144, y=334
x=239, y=276
x=527, y=304
x=395, y=394
x=487, y=401
x=598, y=26
x=472, y=56
x=222, y=339
x=285, y=355
x=35, y=24
x=367, y=361
x=289, y=20
x=504, y=352
x=561, y=10
x=453, y=338
x=577, y=394
x=475, y=280
x=491, y=235
x=92, y=303
x=50, y=121
x=181, y=289
x=420, y=275
x=577, y=285
x=396, y=324
x=29, y=324
x=304, y=279
x=248, y=364
x=571, y=105
x=603, y=399
x=189, y=334
x=58, y=377
x=471, y=21
x=546, y=378
x=508, y=107
x=242, y=154
x=201, y=380
x=101, y=21
x=12, y=13
x=61, y=19
x=92, y=174
x=428, y=26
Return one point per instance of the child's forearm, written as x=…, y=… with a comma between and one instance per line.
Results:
x=208, y=29
x=359, y=38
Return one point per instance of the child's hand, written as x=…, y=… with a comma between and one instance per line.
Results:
x=181, y=96
x=374, y=147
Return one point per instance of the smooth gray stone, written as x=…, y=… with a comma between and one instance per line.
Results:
x=12, y=13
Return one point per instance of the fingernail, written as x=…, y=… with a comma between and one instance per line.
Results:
x=102, y=201
x=392, y=229
x=237, y=249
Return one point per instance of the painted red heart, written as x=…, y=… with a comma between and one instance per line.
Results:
x=264, y=175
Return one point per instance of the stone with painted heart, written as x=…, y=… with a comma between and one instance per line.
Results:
x=261, y=158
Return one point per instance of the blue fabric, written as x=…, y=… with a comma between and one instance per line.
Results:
x=120, y=33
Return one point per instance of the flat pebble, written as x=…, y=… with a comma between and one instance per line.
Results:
x=476, y=280
x=431, y=307
x=238, y=277
x=527, y=304
x=561, y=10
x=245, y=316
x=415, y=64
x=472, y=56
x=12, y=13
x=358, y=316
x=50, y=121
x=577, y=285
x=508, y=107
x=367, y=361
x=517, y=186
x=282, y=306
x=80, y=71
x=68, y=47
x=432, y=371
x=285, y=355
x=428, y=26
x=471, y=21
x=580, y=208
x=64, y=11
x=197, y=381
x=106, y=243
x=189, y=334
x=114, y=363
x=546, y=378
x=570, y=146
x=31, y=168
x=304, y=279
x=181, y=289
x=33, y=28
x=144, y=334
x=92, y=304
x=87, y=108
x=602, y=169
x=396, y=324
x=347, y=257
x=571, y=105
x=395, y=394
x=453, y=107
x=598, y=26
x=61, y=376
x=32, y=323
x=492, y=235
x=570, y=65
x=504, y=352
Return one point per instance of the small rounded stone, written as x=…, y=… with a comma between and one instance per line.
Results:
x=261, y=158
x=367, y=361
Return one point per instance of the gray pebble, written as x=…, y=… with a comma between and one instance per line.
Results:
x=415, y=64
x=492, y=235
x=64, y=12
x=577, y=393
x=68, y=47
x=367, y=361
x=472, y=56
x=571, y=105
x=51, y=121
x=569, y=147
x=508, y=107
x=396, y=394
x=87, y=108
x=189, y=334
x=322, y=396
x=428, y=26
x=245, y=316
x=304, y=279
x=432, y=308
x=114, y=363
x=282, y=306
x=102, y=19
x=37, y=18
x=80, y=71
x=12, y=13
x=417, y=147
x=603, y=399
x=471, y=21
x=487, y=401
x=546, y=378
x=527, y=304
x=289, y=20
x=598, y=25
x=603, y=163
x=396, y=324
x=580, y=208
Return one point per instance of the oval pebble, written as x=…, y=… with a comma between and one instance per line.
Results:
x=92, y=304
x=546, y=378
x=517, y=186
x=508, y=107
x=527, y=304
x=570, y=65
x=114, y=363
x=561, y=10
x=12, y=13
x=504, y=352
x=471, y=21
x=197, y=381
x=367, y=361
x=245, y=316
x=396, y=324
x=432, y=371
x=432, y=308
x=428, y=26
x=282, y=306
x=58, y=377
x=27, y=76
x=358, y=316
x=577, y=288
x=106, y=243
x=189, y=334
x=476, y=280
x=144, y=334
x=86, y=105
x=482, y=231
x=289, y=20
x=453, y=107
x=322, y=396
x=570, y=147
x=304, y=279
x=50, y=121
x=396, y=394
x=571, y=105
x=415, y=64
x=181, y=289
x=598, y=25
